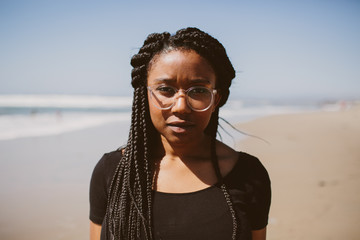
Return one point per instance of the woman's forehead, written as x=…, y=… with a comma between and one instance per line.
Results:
x=181, y=64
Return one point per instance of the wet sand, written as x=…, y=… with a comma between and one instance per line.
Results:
x=44, y=182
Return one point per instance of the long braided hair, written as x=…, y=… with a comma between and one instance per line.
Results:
x=129, y=207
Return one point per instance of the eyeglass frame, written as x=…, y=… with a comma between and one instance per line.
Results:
x=211, y=90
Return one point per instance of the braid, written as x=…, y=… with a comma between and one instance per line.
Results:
x=128, y=211
x=152, y=45
x=129, y=207
x=212, y=130
x=130, y=196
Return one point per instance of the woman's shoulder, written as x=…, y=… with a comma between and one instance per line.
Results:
x=250, y=187
x=110, y=159
x=106, y=166
x=248, y=170
x=240, y=166
x=100, y=184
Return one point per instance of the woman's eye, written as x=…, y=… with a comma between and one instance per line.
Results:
x=164, y=90
x=199, y=90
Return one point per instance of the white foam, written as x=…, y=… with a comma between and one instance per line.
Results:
x=65, y=101
x=19, y=126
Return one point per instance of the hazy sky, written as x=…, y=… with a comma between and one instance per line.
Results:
x=280, y=49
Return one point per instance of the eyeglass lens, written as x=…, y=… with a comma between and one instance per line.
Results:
x=198, y=98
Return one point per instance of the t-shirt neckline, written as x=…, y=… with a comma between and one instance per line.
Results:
x=217, y=184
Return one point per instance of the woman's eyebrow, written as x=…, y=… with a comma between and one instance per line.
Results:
x=170, y=80
x=200, y=80
x=165, y=80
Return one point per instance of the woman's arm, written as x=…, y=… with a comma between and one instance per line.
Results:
x=259, y=234
x=95, y=230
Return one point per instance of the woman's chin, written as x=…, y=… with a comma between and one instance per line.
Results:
x=183, y=137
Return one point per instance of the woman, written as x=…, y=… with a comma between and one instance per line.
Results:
x=173, y=179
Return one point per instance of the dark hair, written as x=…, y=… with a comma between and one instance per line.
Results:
x=129, y=208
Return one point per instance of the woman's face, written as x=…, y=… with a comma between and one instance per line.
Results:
x=181, y=69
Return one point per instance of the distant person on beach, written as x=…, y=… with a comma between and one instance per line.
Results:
x=173, y=179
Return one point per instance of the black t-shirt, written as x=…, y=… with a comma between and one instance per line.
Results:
x=202, y=214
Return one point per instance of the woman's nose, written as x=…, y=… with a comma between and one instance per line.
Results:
x=181, y=105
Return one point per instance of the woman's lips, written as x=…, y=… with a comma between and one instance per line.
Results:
x=180, y=127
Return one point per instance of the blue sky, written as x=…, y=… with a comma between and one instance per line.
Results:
x=280, y=49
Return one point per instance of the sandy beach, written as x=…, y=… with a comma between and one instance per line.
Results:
x=44, y=182
x=314, y=163
x=313, y=160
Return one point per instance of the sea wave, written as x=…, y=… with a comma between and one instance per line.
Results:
x=65, y=101
x=43, y=115
x=20, y=126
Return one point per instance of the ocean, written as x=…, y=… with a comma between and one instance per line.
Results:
x=43, y=115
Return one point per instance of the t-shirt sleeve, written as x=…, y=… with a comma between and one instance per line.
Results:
x=98, y=192
x=250, y=187
x=260, y=197
x=99, y=185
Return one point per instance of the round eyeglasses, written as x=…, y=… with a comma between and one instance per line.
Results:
x=198, y=98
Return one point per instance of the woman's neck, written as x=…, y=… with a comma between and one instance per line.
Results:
x=194, y=149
